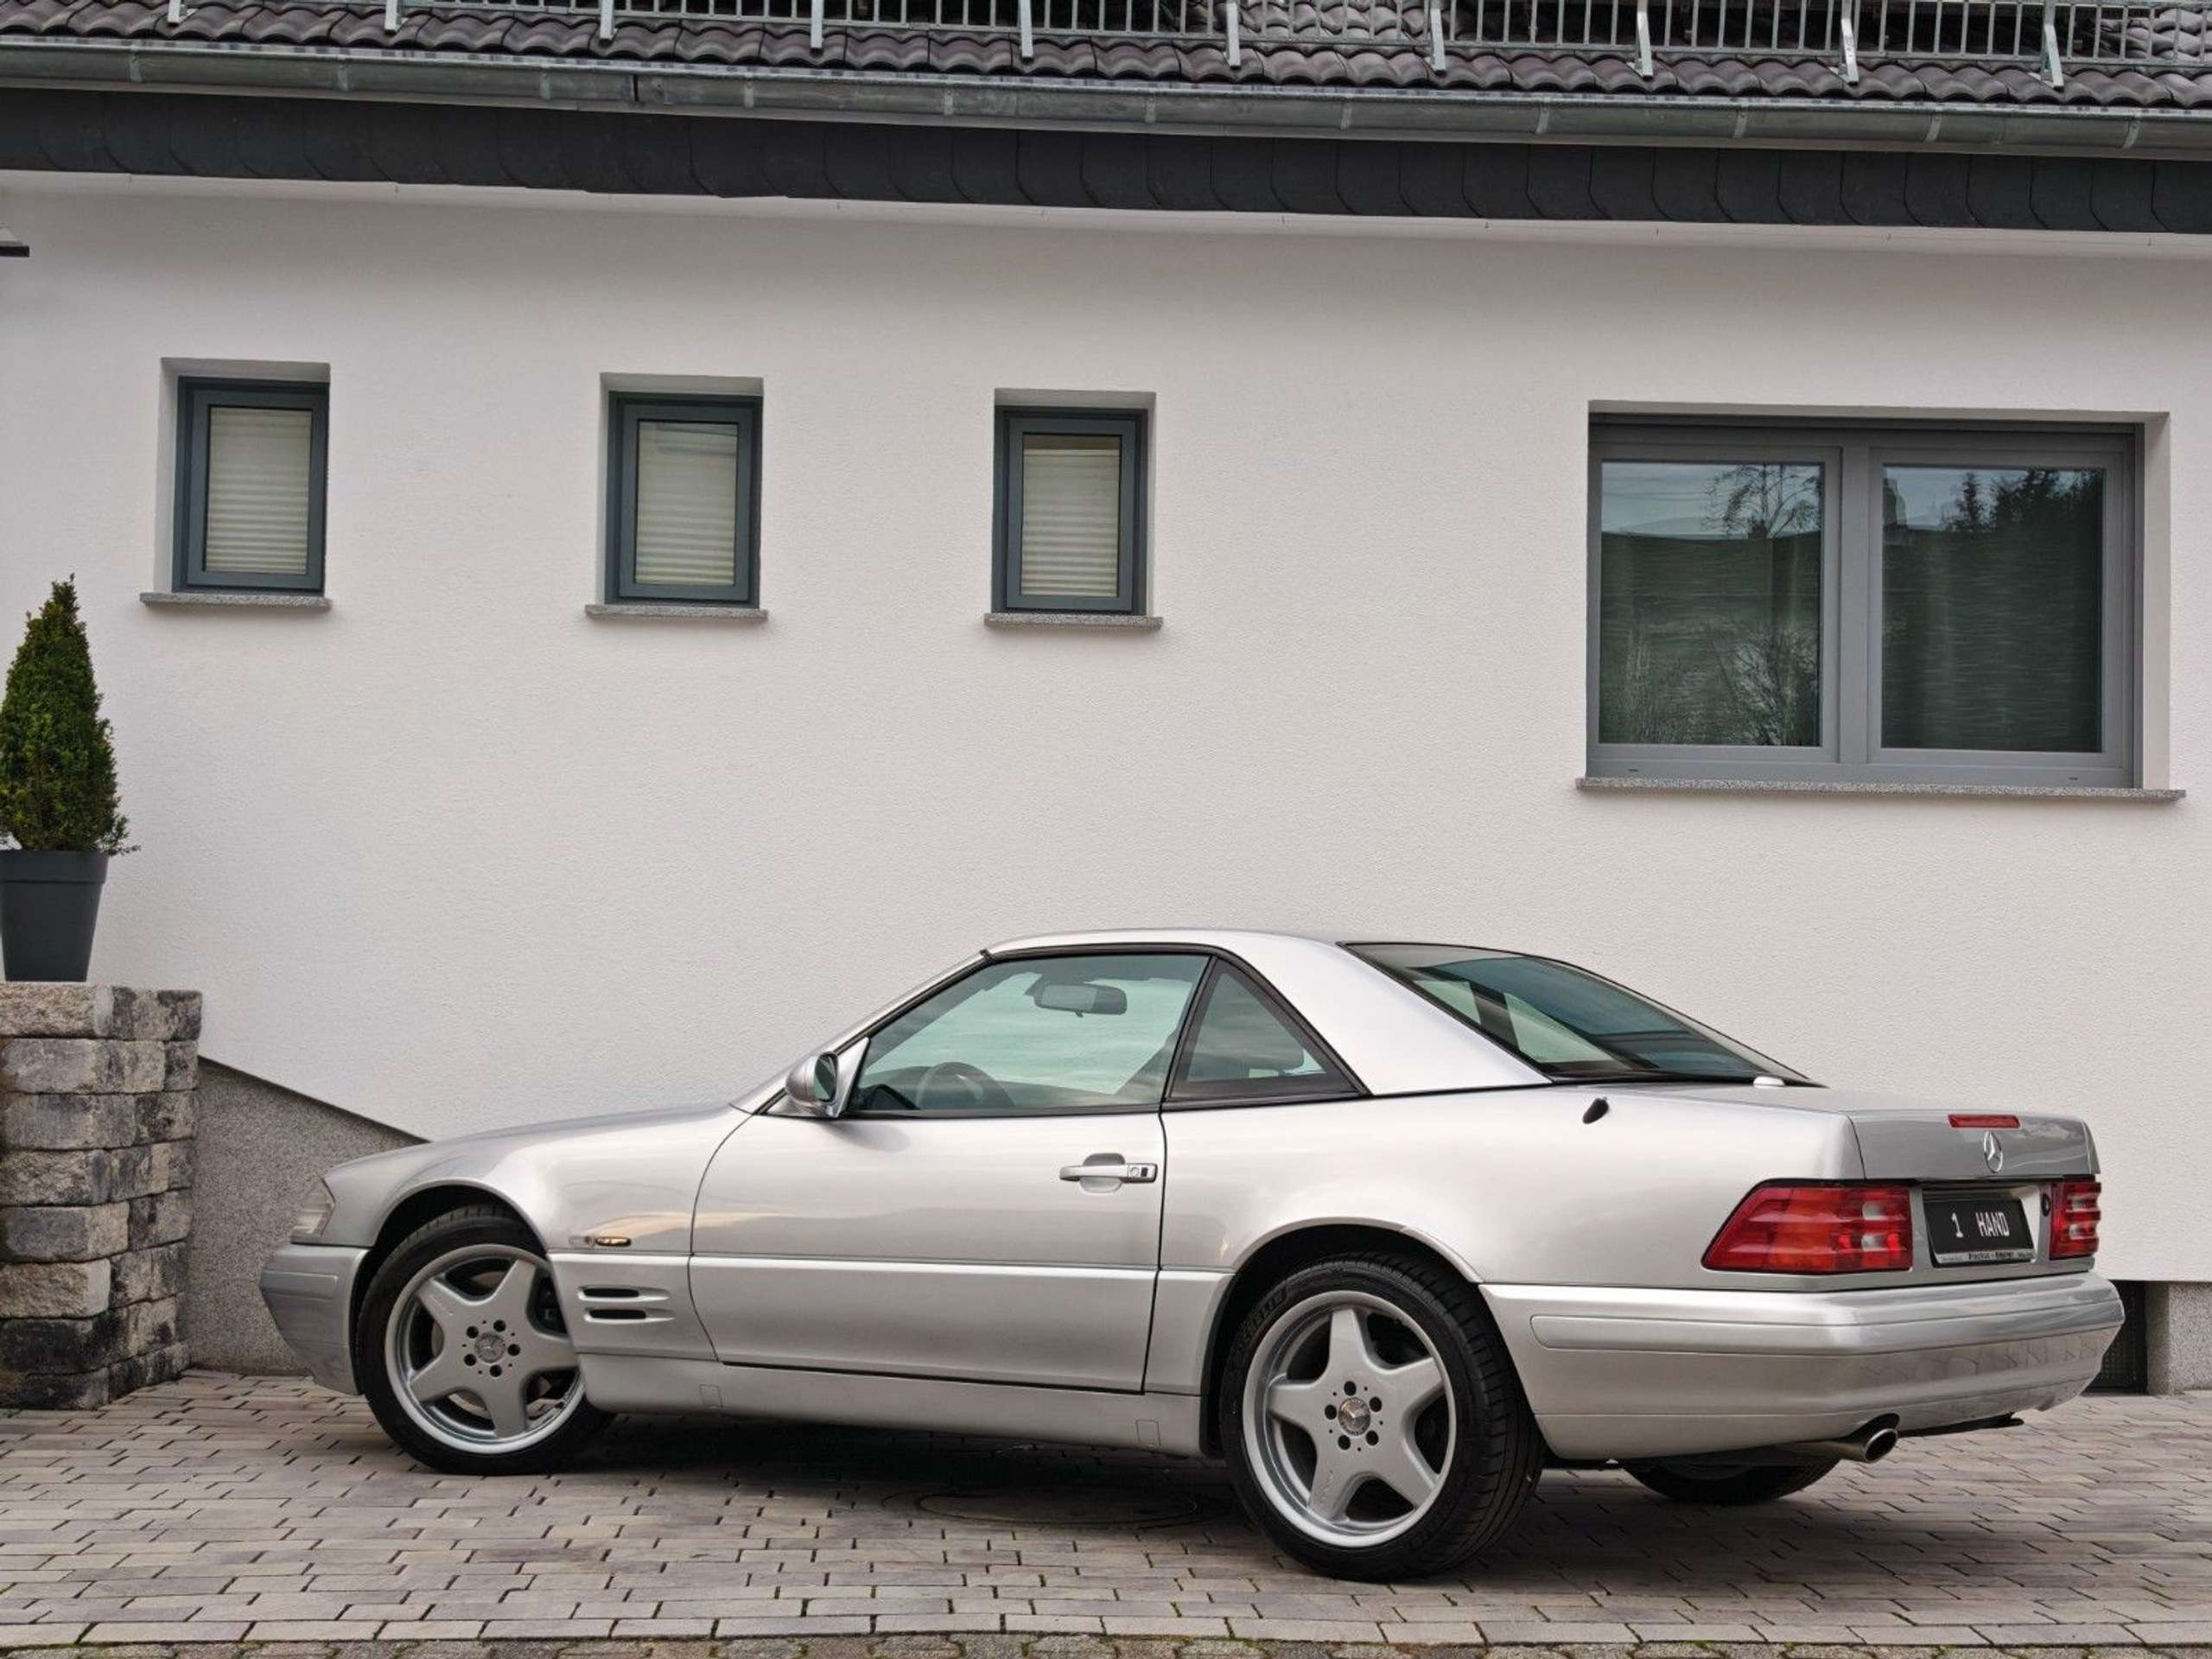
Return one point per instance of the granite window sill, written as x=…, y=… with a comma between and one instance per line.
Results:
x=240, y=599
x=1855, y=787
x=650, y=611
x=1071, y=620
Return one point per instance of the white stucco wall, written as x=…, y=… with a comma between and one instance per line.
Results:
x=453, y=855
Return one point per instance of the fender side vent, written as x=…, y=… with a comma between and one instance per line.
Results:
x=625, y=1305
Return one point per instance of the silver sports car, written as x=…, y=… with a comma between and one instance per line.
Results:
x=1390, y=1227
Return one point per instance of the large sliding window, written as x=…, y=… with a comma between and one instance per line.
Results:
x=1885, y=604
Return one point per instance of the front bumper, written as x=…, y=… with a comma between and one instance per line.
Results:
x=309, y=1291
x=1623, y=1373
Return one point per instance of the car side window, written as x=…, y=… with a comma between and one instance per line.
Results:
x=1075, y=1033
x=1242, y=1049
x=1513, y=1021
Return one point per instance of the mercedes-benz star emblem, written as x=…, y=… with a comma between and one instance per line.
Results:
x=1993, y=1152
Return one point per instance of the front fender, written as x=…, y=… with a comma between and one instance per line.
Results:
x=633, y=1175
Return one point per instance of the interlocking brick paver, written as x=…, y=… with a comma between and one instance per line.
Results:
x=215, y=1510
x=433, y=1630
x=179, y=1631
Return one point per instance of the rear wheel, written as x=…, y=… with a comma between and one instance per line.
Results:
x=1728, y=1483
x=462, y=1352
x=1373, y=1425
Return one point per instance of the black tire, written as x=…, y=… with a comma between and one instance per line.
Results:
x=1728, y=1485
x=1495, y=1456
x=470, y=1226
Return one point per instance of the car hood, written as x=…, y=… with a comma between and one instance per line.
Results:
x=1901, y=1138
x=691, y=1112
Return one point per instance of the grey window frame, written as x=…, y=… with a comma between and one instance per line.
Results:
x=196, y=398
x=1854, y=453
x=1015, y=424
x=625, y=412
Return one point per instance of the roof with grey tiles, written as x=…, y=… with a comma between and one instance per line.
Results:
x=2182, y=81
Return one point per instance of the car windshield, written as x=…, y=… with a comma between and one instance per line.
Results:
x=1568, y=1024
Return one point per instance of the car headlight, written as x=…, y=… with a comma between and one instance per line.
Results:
x=315, y=1215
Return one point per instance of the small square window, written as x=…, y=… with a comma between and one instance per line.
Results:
x=251, y=456
x=683, y=502
x=1069, y=511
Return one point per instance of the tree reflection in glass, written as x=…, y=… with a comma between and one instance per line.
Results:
x=1709, y=602
x=1992, y=611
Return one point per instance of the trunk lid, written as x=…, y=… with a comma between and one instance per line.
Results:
x=1901, y=1139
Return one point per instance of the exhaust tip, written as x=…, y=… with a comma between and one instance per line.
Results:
x=1880, y=1443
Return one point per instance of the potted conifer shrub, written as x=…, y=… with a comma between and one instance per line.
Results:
x=58, y=801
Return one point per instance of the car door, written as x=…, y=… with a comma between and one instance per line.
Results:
x=987, y=1208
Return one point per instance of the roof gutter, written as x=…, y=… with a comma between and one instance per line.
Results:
x=1371, y=112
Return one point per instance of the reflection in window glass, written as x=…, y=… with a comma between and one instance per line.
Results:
x=1241, y=1048
x=1709, y=621
x=1063, y=1034
x=1569, y=1024
x=1992, y=610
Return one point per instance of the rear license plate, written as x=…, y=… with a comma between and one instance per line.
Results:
x=1962, y=1230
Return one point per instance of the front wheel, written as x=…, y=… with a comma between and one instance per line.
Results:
x=1373, y=1424
x=462, y=1352
x=1727, y=1486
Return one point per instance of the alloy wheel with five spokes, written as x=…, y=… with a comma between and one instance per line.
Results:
x=477, y=1351
x=1372, y=1420
x=1349, y=1418
x=462, y=1351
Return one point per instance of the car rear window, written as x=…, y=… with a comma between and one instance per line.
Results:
x=1568, y=1023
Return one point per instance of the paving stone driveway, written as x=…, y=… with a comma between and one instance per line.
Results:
x=220, y=1508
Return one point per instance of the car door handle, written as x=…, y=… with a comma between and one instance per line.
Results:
x=1109, y=1166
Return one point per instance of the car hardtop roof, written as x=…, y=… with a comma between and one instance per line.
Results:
x=1235, y=940
x=1396, y=1041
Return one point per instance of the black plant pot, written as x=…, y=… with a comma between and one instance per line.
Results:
x=48, y=905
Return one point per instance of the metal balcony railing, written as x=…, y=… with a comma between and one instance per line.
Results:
x=2050, y=36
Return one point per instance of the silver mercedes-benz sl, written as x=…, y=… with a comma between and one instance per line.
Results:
x=1390, y=1227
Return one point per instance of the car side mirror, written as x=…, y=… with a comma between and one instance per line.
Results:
x=822, y=1083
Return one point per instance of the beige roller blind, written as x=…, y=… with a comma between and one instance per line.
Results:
x=259, y=475
x=1070, y=516
x=687, y=503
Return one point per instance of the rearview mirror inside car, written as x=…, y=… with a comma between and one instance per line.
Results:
x=1072, y=996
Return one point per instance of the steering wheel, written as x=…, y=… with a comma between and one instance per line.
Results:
x=983, y=1089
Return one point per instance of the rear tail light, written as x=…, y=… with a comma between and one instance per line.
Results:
x=2076, y=1207
x=1809, y=1227
x=1984, y=1121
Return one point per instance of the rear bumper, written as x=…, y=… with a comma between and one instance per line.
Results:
x=308, y=1289
x=1628, y=1373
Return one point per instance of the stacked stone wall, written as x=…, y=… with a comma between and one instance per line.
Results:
x=97, y=1094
